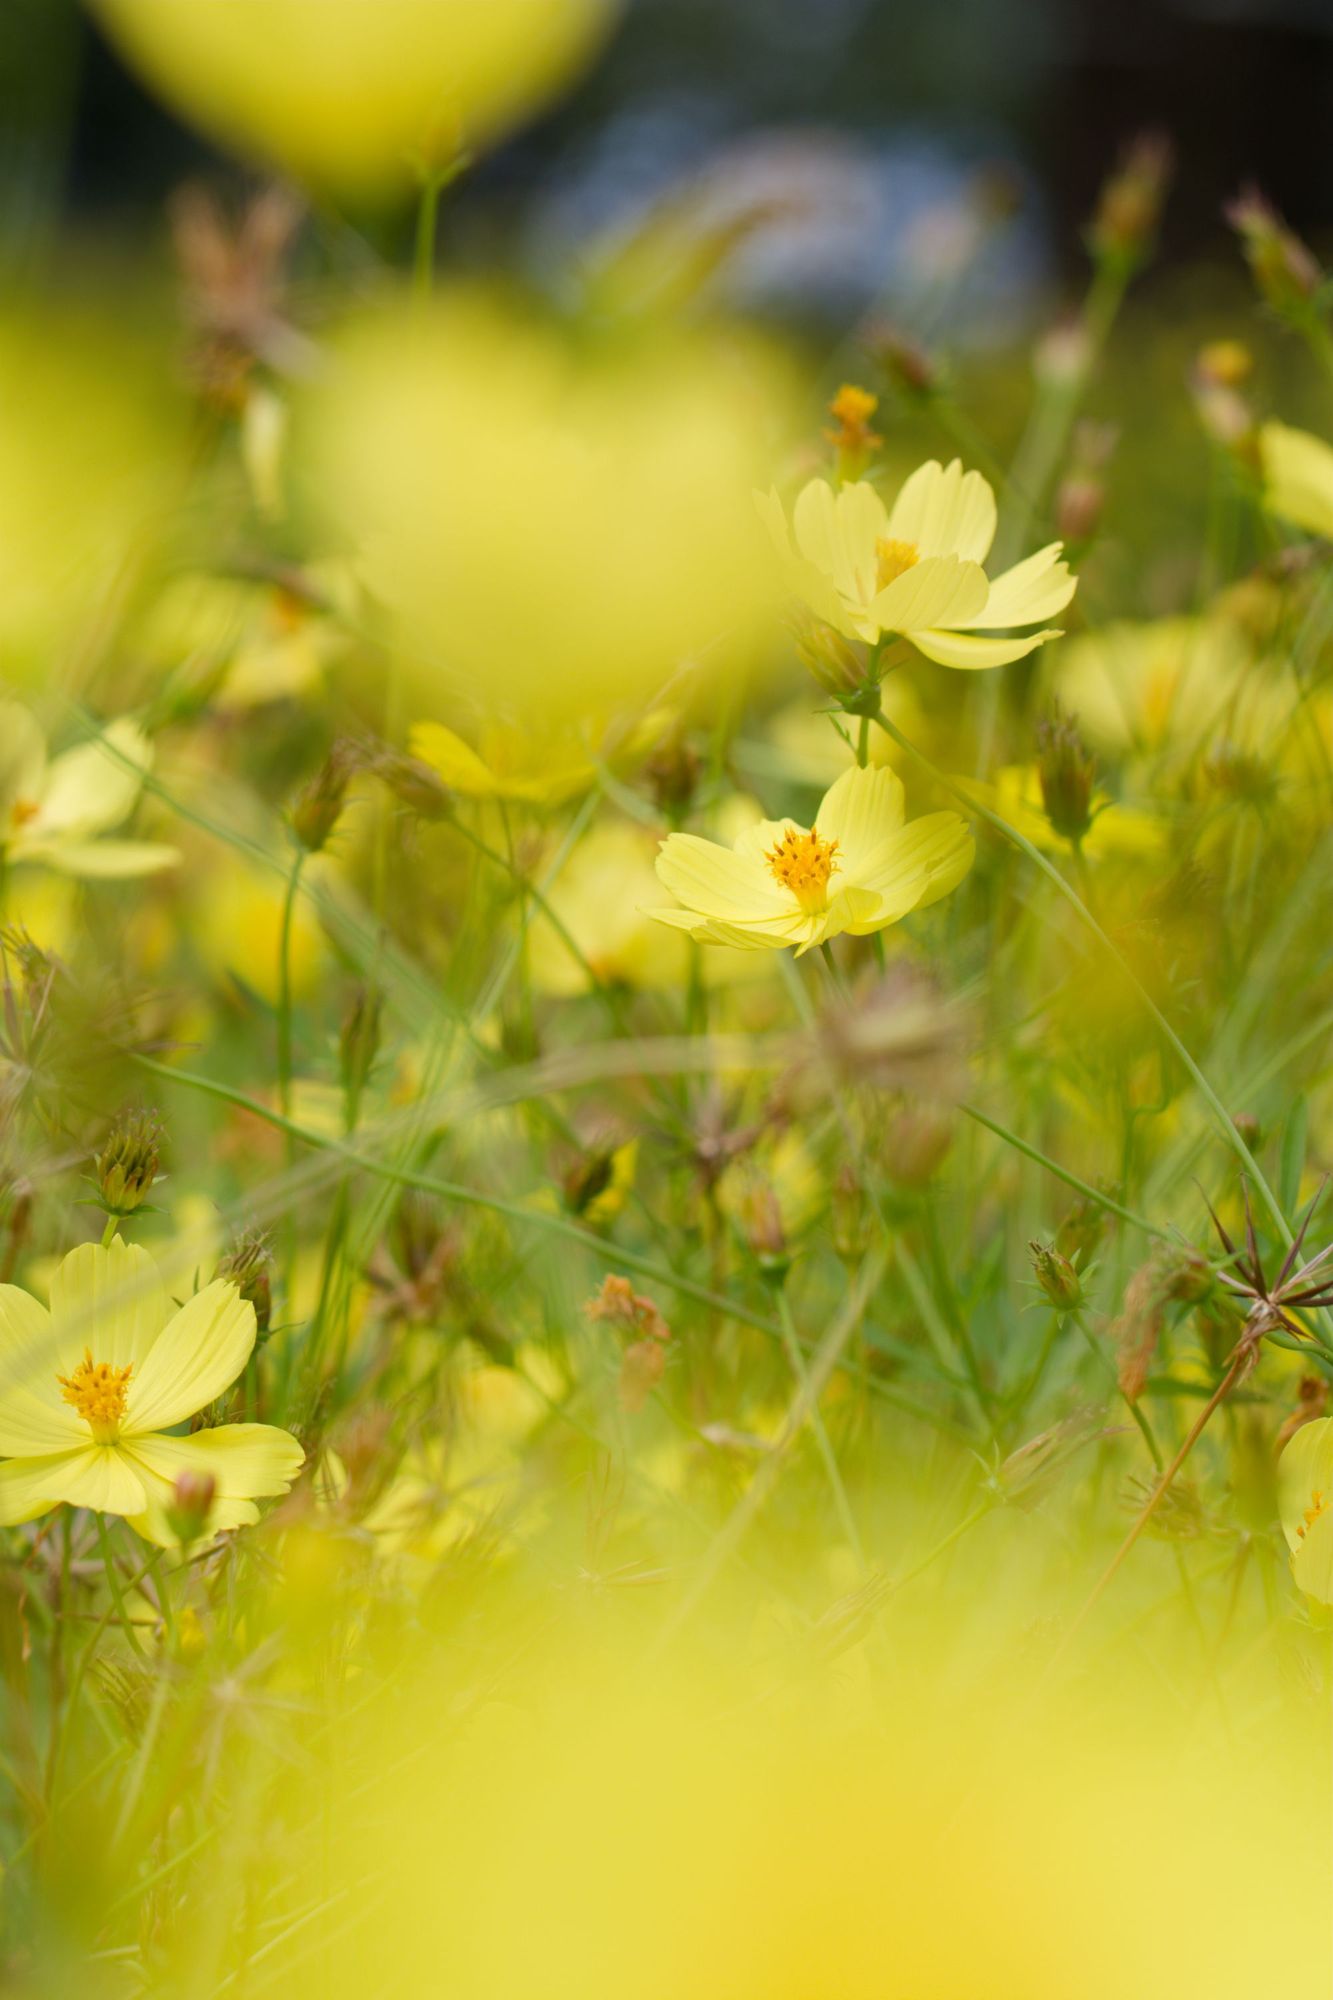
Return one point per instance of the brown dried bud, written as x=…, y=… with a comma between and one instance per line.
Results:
x=413, y=784
x=761, y=1219
x=1130, y=205
x=319, y=805
x=907, y=365
x=644, y=1360
x=1287, y=273
x=1170, y=1276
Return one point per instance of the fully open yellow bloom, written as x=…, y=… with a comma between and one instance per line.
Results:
x=1298, y=477
x=90, y=1390
x=1305, y=1501
x=916, y=569
x=859, y=868
x=56, y=812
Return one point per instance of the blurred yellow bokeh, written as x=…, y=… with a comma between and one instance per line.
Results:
x=356, y=95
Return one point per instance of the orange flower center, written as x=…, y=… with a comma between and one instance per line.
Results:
x=23, y=810
x=97, y=1392
x=802, y=862
x=895, y=558
x=1318, y=1505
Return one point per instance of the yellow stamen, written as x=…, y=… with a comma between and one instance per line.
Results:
x=1319, y=1505
x=97, y=1392
x=895, y=558
x=802, y=862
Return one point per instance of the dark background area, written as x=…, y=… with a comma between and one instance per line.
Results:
x=1048, y=88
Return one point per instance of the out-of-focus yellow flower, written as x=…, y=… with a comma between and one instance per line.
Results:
x=552, y=523
x=597, y=908
x=90, y=450
x=356, y=94
x=257, y=642
x=916, y=569
x=56, y=811
x=859, y=868
x=90, y=1389
x=236, y=925
x=1298, y=477
x=1136, y=687
x=1305, y=1500
x=1016, y=796
x=518, y=765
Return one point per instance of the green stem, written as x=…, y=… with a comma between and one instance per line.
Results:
x=817, y=1425
x=285, y=987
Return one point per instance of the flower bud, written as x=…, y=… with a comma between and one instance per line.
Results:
x=764, y=1230
x=319, y=805
x=917, y=1144
x=673, y=773
x=836, y=663
x=359, y=1040
x=191, y=1504
x=1285, y=271
x=1130, y=204
x=127, y=1164
x=1079, y=502
x=1056, y=1276
x=247, y=1267
x=853, y=439
x=1067, y=770
x=1032, y=1468
x=413, y=784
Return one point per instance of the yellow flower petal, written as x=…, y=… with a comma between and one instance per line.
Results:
x=962, y=649
x=1298, y=477
x=248, y=1461
x=838, y=533
x=199, y=1353
x=1304, y=1469
x=101, y=860
x=94, y=786
x=34, y=1418
x=860, y=811
x=717, y=881
x=452, y=759
x=938, y=590
x=1032, y=590
x=96, y=1475
x=945, y=511
x=110, y=1299
x=22, y=758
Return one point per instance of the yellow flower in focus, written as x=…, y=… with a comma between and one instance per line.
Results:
x=860, y=867
x=1305, y=1502
x=56, y=811
x=1298, y=477
x=353, y=94
x=916, y=569
x=90, y=1391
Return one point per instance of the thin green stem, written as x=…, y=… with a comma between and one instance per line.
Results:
x=817, y=1426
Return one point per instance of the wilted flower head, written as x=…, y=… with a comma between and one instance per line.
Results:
x=1131, y=201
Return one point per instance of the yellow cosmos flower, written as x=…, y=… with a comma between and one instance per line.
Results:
x=90, y=1390
x=1305, y=1501
x=858, y=868
x=916, y=569
x=349, y=93
x=56, y=811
